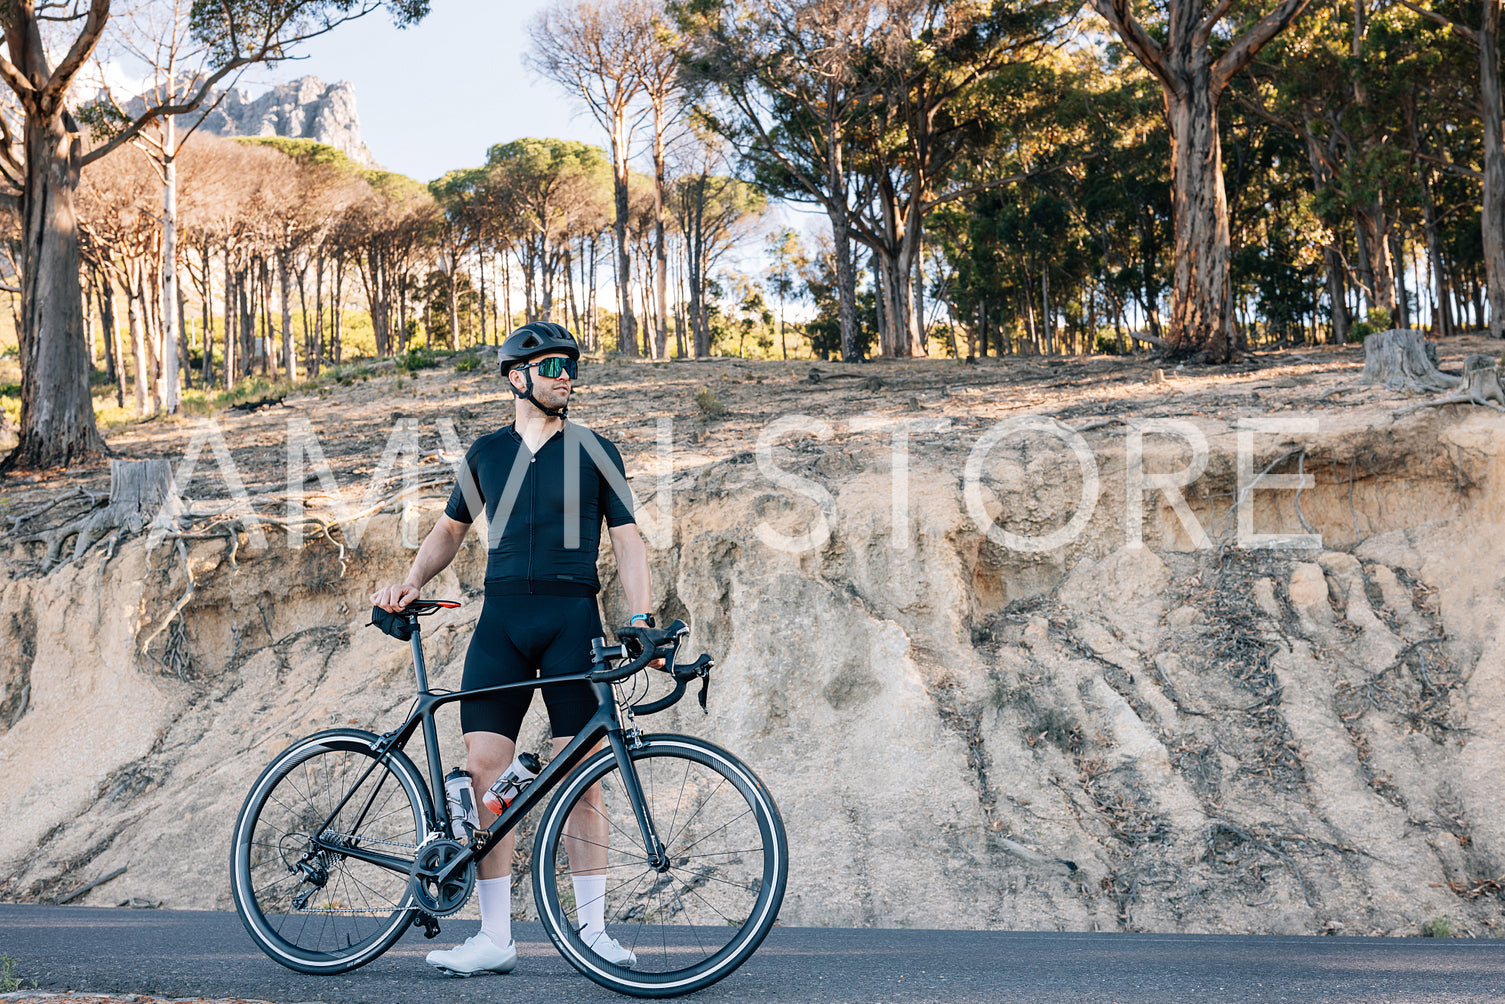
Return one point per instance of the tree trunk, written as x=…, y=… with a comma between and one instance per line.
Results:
x=1397, y=249
x=1337, y=295
x=319, y=312
x=138, y=339
x=919, y=333
x=57, y=412
x=231, y=359
x=626, y=326
x=337, y=306
x=1200, y=320
x=660, y=251
x=170, y=390
x=206, y=371
x=506, y=294
x=1374, y=258
x=112, y=334
x=1494, y=166
x=90, y=343
x=454, y=303
x=285, y=291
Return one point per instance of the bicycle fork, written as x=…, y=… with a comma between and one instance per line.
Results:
x=658, y=859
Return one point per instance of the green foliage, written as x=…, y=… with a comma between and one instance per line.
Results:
x=709, y=404
x=467, y=365
x=233, y=31
x=420, y=358
x=305, y=152
x=1377, y=321
x=197, y=401
x=1438, y=927
x=10, y=982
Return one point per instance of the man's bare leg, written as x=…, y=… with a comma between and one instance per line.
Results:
x=586, y=833
x=487, y=754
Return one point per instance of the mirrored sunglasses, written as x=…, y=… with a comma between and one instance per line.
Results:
x=554, y=367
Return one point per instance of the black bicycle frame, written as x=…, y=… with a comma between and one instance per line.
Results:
x=604, y=721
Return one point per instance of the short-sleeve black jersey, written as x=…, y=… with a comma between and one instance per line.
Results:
x=544, y=509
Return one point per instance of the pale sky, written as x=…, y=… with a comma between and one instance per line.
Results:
x=436, y=96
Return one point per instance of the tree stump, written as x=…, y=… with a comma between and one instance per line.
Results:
x=1402, y=359
x=1481, y=379
x=141, y=492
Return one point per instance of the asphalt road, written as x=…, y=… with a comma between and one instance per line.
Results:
x=173, y=953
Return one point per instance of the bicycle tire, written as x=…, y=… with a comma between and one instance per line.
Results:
x=353, y=910
x=700, y=919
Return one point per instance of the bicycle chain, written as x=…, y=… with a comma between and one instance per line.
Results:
x=350, y=837
x=367, y=912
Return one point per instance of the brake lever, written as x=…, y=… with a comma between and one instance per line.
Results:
x=705, y=684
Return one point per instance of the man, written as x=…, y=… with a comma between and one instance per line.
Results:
x=540, y=611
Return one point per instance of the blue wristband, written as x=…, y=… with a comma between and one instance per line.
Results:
x=637, y=618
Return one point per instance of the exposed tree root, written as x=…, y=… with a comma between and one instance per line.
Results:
x=1480, y=385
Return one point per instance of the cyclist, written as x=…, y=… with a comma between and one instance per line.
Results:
x=544, y=485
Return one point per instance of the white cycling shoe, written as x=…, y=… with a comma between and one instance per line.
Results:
x=608, y=949
x=478, y=955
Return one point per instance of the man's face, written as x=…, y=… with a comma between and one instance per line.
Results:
x=551, y=393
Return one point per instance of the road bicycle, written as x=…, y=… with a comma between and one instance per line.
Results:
x=342, y=844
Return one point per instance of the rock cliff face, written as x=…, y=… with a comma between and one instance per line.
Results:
x=305, y=108
x=1104, y=735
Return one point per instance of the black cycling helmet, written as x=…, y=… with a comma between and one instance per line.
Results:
x=536, y=338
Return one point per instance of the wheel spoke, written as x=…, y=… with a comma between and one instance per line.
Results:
x=683, y=921
x=352, y=910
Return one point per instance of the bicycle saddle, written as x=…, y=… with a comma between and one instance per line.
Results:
x=402, y=624
x=420, y=607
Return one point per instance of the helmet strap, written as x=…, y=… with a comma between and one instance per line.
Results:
x=527, y=395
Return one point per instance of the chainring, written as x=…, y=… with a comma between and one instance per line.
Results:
x=441, y=898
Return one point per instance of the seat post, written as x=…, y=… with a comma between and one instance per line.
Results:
x=419, y=670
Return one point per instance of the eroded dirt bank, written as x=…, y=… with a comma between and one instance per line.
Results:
x=1189, y=735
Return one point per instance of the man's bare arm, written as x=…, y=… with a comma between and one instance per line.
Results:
x=632, y=566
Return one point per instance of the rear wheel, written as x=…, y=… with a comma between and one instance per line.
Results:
x=307, y=905
x=700, y=913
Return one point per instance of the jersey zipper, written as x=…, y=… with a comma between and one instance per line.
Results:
x=532, y=514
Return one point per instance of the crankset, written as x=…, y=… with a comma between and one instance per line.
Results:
x=435, y=896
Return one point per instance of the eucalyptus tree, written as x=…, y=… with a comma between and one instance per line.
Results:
x=1194, y=55
x=657, y=68
x=553, y=191
x=934, y=72
x=783, y=82
x=46, y=47
x=713, y=211
x=1481, y=33
x=595, y=48
x=384, y=234
x=787, y=259
x=459, y=197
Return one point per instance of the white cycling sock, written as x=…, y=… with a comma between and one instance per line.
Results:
x=496, y=909
x=590, y=905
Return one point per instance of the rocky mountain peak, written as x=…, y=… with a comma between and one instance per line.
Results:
x=306, y=108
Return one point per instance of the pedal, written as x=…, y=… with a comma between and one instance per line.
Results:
x=428, y=922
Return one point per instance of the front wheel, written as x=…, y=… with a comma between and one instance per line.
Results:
x=306, y=904
x=703, y=910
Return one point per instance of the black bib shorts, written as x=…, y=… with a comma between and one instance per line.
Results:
x=523, y=637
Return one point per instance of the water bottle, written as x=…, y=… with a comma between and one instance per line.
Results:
x=461, y=797
x=513, y=780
